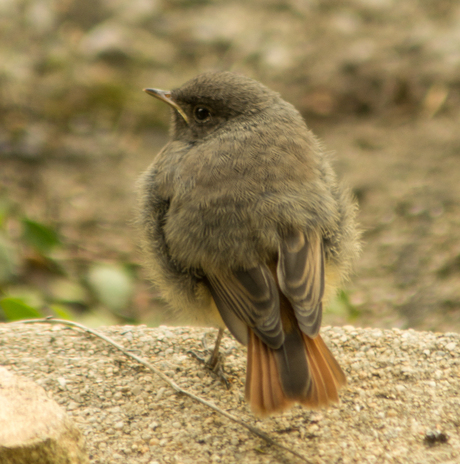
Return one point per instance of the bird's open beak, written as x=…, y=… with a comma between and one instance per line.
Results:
x=165, y=95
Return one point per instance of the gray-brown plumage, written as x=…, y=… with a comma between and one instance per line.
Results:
x=246, y=227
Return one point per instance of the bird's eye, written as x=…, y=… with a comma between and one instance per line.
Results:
x=202, y=113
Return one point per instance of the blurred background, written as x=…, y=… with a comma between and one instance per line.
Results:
x=377, y=80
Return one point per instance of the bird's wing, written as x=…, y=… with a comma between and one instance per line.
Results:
x=249, y=298
x=301, y=278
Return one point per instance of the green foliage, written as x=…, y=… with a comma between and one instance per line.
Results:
x=61, y=312
x=38, y=279
x=8, y=259
x=42, y=238
x=15, y=309
x=342, y=306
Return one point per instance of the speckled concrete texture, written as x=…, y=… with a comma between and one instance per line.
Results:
x=402, y=403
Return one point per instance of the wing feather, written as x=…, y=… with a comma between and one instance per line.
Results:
x=249, y=297
x=301, y=277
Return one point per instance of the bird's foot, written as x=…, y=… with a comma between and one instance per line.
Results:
x=215, y=362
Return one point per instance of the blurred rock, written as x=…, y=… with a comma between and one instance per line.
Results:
x=33, y=427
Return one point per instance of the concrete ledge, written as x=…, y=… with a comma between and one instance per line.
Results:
x=402, y=404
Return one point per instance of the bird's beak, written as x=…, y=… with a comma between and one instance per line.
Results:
x=165, y=95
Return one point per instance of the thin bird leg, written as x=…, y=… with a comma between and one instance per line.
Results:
x=214, y=359
x=214, y=363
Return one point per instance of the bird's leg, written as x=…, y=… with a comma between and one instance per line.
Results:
x=214, y=362
x=214, y=359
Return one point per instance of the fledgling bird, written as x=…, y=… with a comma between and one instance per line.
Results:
x=246, y=227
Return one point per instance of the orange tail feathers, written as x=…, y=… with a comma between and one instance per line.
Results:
x=265, y=371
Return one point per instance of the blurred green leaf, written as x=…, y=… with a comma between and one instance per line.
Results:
x=342, y=306
x=61, y=312
x=8, y=259
x=42, y=238
x=15, y=309
x=29, y=295
x=113, y=285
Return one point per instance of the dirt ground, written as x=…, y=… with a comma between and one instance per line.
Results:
x=378, y=84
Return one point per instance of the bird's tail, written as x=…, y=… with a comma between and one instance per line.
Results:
x=302, y=370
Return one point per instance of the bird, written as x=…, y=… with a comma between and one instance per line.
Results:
x=245, y=227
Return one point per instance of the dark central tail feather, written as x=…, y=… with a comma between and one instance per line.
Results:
x=293, y=367
x=302, y=371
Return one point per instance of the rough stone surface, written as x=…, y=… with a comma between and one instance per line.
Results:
x=401, y=405
x=33, y=427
